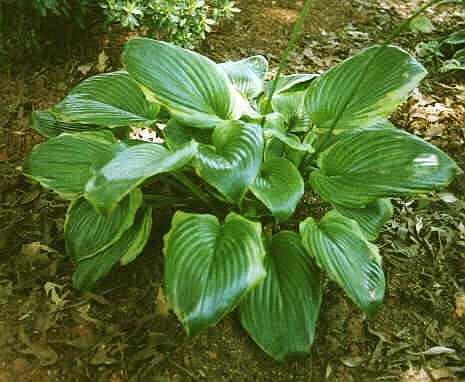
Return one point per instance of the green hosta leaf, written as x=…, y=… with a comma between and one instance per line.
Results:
x=177, y=135
x=279, y=186
x=210, y=267
x=233, y=163
x=280, y=314
x=130, y=167
x=368, y=164
x=290, y=140
x=110, y=99
x=275, y=121
x=372, y=218
x=46, y=124
x=292, y=83
x=87, y=232
x=63, y=163
x=341, y=250
x=247, y=75
x=125, y=250
x=194, y=89
x=390, y=77
x=291, y=106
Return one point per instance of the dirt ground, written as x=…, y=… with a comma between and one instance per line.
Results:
x=123, y=332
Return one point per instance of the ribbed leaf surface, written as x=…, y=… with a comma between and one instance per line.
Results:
x=391, y=76
x=233, y=163
x=110, y=99
x=368, y=164
x=280, y=314
x=46, y=124
x=130, y=167
x=372, y=218
x=194, y=89
x=125, y=250
x=87, y=232
x=63, y=163
x=210, y=267
x=340, y=249
x=279, y=186
x=247, y=75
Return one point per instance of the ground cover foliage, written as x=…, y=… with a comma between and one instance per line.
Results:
x=406, y=231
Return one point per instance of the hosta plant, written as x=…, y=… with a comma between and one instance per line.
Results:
x=239, y=160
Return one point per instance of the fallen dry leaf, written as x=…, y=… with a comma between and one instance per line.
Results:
x=460, y=305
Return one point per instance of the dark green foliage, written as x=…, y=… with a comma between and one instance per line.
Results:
x=247, y=156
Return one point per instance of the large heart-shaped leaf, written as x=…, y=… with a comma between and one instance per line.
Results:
x=87, y=232
x=130, y=167
x=372, y=218
x=247, y=75
x=196, y=91
x=368, y=164
x=46, y=124
x=280, y=314
x=110, y=99
x=63, y=163
x=233, y=162
x=341, y=250
x=210, y=267
x=125, y=250
x=364, y=88
x=279, y=186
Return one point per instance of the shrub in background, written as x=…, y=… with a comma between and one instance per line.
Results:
x=185, y=22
